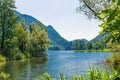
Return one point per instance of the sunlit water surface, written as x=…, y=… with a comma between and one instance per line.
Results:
x=68, y=62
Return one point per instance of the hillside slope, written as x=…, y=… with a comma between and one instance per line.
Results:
x=57, y=42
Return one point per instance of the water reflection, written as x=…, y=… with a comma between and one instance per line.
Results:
x=68, y=62
x=24, y=70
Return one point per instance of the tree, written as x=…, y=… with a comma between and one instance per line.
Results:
x=76, y=45
x=81, y=45
x=16, y=40
x=89, y=46
x=111, y=21
x=21, y=33
x=108, y=12
x=7, y=21
x=38, y=41
x=99, y=45
x=92, y=8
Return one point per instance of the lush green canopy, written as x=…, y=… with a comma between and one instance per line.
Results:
x=18, y=42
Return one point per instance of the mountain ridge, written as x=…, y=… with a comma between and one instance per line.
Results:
x=57, y=41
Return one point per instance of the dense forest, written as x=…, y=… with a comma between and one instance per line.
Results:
x=89, y=45
x=16, y=40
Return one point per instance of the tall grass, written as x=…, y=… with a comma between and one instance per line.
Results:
x=93, y=74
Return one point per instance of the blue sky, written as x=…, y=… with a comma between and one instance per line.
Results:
x=61, y=14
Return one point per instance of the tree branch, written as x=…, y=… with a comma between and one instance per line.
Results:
x=95, y=13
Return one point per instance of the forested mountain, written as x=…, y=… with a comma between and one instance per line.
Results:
x=29, y=19
x=84, y=40
x=97, y=43
x=57, y=42
x=99, y=37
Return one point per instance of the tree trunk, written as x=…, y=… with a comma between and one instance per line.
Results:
x=3, y=30
x=3, y=38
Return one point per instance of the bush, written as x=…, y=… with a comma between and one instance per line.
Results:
x=20, y=56
x=114, y=61
x=28, y=55
x=16, y=54
x=2, y=58
x=4, y=76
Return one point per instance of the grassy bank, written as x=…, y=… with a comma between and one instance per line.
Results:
x=23, y=57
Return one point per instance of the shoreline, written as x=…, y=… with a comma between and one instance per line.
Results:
x=106, y=50
x=42, y=58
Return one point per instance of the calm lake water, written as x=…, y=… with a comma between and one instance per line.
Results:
x=68, y=62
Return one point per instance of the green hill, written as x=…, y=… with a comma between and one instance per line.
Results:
x=99, y=38
x=57, y=42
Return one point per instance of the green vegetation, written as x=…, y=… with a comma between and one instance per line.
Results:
x=93, y=74
x=57, y=42
x=106, y=11
x=17, y=42
x=114, y=61
x=104, y=50
x=111, y=21
x=4, y=76
x=90, y=46
x=2, y=58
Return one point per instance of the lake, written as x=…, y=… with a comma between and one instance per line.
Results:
x=68, y=62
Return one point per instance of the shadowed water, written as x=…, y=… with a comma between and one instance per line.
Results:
x=68, y=62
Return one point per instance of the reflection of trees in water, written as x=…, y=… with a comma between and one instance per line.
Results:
x=23, y=69
x=2, y=65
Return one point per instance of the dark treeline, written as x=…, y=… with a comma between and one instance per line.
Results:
x=16, y=40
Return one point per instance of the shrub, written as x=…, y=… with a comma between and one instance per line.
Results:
x=28, y=55
x=16, y=54
x=4, y=76
x=2, y=58
x=114, y=61
x=20, y=56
